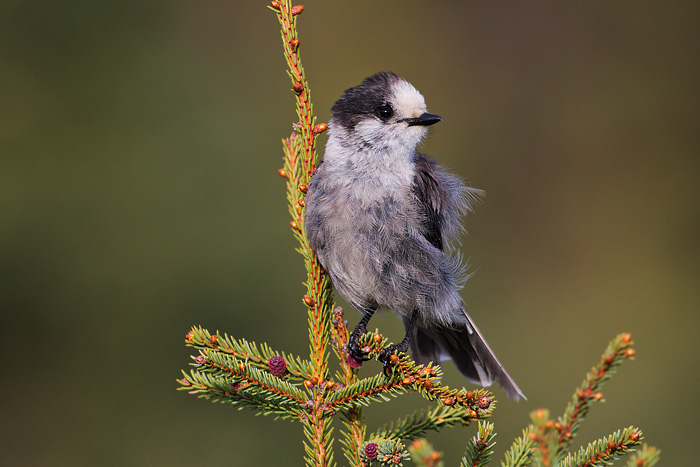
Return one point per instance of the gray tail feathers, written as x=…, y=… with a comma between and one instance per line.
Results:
x=469, y=350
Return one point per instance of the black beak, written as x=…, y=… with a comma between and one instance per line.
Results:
x=424, y=120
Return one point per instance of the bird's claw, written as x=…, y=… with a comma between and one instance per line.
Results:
x=385, y=357
x=354, y=348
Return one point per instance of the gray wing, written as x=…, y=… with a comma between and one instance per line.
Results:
x=444, y=199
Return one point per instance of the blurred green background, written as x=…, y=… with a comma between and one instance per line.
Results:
x=139, y=195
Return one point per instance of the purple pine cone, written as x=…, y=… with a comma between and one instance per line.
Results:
x=371, y=451
x=277, y=365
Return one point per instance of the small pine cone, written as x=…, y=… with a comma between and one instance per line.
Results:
x=484, y=402
x=371, y=451
x=277, y=365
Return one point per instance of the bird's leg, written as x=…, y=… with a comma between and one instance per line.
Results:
x=354, y=341
x=388, y=351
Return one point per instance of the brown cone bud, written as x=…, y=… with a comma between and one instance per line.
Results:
x=309, y=301
x=320, y=128
x=484, y=402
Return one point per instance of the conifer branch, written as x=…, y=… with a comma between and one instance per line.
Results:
x=605, y=450
x=240, y=393
x=247, y=352
x=426, y=380
x=384, y=452
x=421, y=421
x=647, y=456
x=300, y=164
x=354, y=423
x=619, y=350
x=521, y=451
x=424, y=455
x=480, y=447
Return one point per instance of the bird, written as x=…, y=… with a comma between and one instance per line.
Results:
x=384, y=221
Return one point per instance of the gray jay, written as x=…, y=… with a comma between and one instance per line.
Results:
x=383, y=218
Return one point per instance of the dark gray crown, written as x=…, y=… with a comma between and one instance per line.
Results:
x=363, y=100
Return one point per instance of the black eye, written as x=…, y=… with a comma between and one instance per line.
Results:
x=385, y=112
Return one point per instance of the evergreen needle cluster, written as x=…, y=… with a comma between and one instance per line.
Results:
x=271, y=382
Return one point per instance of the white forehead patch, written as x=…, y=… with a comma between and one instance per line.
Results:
x=406, y=99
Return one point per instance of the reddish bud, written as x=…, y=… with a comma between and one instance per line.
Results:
x=449, y=401
x=427, y=384
x=353, y=362
x=320, y=128
x=241, y=366
x=612, y=445
x=377, y=338
x=275, y=4
x=184, y=382
x=470, y=395
x=626, y=338
x=213, y=340
x=297, y=10
x=473, y=414
x=634, y=437
x=301, y=203
x=308, y=301
x=294, y=225
x=303, y=188
x=630, y=353
x=294, y=43
x=200, y=360
x=277, y=365
x=407, y=380
x=608, y=359
x=282, y=173
x=188, y=337
x=598, y=396
x=298, y=87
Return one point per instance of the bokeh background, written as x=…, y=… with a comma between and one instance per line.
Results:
x=139, y=195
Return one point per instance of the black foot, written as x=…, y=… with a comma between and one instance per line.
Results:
x=387, y=352
x=354, y=344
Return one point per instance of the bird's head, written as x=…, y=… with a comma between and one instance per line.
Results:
x=383, y=113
